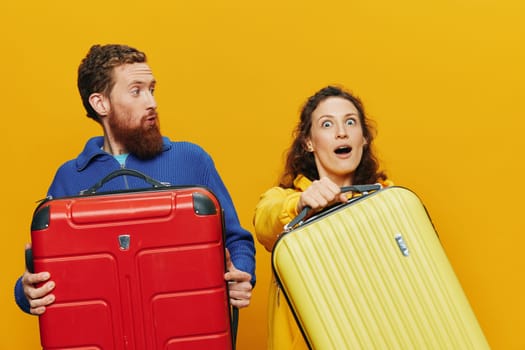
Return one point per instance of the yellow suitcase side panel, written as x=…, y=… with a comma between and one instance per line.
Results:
x=373, y=275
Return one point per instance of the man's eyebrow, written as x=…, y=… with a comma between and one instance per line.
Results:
x=142, y=82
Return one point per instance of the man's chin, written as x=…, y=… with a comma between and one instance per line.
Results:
x=146, y=144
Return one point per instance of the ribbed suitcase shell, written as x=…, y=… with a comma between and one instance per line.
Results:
x=372, y=274
x=163, y=288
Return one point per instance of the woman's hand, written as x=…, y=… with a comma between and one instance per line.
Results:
x=320, y=194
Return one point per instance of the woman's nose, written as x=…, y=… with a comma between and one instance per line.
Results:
x=341, y=131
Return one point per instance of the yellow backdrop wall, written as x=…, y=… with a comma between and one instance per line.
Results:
x=444, y=81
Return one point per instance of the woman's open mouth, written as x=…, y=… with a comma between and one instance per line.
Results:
x=343, y=150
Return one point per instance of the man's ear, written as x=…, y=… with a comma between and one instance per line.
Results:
x=100, y=103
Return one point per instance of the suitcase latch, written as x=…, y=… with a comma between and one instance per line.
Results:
x=402, y=245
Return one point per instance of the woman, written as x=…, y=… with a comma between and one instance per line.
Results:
x=332, y=148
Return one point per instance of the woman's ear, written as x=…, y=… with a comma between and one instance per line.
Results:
x=99, y=103
x=308, y=145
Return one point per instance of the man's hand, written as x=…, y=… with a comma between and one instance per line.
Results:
x=238, y=284
x=38, y=297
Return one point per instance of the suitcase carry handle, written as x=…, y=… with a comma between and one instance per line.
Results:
x=299, y=219
x=235, y=326
x=29, y=260
x=93, y=189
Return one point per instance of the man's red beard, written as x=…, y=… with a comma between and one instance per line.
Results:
x=143, y=141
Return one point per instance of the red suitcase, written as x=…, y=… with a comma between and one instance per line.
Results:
x=134, y=270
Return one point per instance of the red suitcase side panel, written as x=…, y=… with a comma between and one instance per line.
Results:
x=139, y=270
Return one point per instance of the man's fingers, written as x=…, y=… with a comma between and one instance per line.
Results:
x=38, y=293
x=38, y=306
x=38, y=311
x=238, y=276
x=34, y=278
x=38, y=302
x=240, y=303
x=240, y=294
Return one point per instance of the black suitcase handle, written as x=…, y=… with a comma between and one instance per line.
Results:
x=298, y=220
x=235, y=326
x=29, y=260
x=93, y=189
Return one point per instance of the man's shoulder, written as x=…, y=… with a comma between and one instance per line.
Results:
x=187, y=147
x=68, y=167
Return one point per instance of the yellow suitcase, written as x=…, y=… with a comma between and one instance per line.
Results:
x=372, y=274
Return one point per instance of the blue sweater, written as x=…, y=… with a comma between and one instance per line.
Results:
x=179, y=163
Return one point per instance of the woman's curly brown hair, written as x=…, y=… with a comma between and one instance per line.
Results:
x=300, y=161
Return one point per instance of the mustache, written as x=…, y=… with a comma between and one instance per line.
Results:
x=151, y=114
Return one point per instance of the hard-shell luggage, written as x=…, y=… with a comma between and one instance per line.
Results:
x=372, y=274
x=134, y=270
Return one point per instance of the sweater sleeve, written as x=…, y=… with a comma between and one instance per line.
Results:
x=276, y=208
x=20, y=297
x=238, y=240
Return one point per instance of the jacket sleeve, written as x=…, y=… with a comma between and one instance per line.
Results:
x=276, y=208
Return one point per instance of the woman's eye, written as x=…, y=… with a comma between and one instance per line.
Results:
x=350, y=122
x=326, y=124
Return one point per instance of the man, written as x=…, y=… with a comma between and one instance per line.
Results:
x=116, y=86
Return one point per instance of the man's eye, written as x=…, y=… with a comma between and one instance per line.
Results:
x=152, y=91
x=135, y=92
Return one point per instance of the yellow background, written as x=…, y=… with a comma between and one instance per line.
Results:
x=443, y=80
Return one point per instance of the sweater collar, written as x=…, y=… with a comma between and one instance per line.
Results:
x=93, y=149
